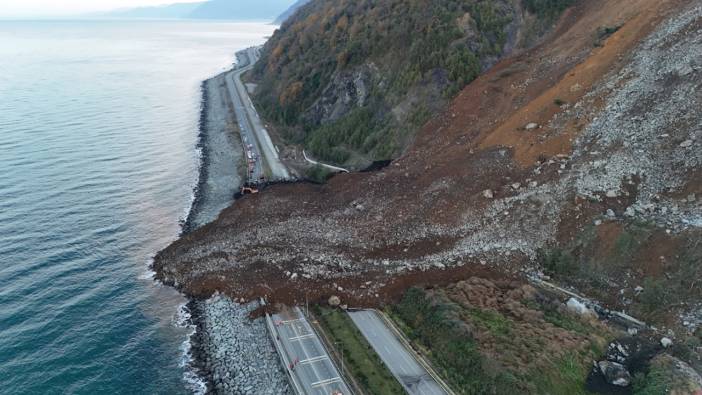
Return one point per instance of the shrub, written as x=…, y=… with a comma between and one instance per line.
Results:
x=547, y=8
x=318, y=174
x=557, y=262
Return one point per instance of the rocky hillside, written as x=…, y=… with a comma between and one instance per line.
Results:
x=578, y=161
x=352, y=81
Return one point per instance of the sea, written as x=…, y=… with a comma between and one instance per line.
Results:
x=98, y=161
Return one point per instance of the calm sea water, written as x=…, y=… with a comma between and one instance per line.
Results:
x=98, y=126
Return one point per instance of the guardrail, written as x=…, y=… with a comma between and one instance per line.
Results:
x=314, y=162
x=591, y=304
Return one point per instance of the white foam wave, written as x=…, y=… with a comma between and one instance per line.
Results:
x=148, y=274
x=192, y=380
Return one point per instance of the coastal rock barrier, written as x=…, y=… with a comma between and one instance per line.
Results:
x=233, y=352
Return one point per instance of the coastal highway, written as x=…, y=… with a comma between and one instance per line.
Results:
x=413, y=377
x=307, y=358
x=255, y=137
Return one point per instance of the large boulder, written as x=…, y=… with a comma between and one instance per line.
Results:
x=579, y=308
x=334, y=301
x=615, y=373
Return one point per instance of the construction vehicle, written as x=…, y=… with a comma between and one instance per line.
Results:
x=249, y=189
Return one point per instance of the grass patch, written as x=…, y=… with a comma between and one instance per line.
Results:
x=656, y=382
x=454, y=353
x=493, y=321
x=566, y=322
x=557, y=262
x=565, y=376
x=359, y=357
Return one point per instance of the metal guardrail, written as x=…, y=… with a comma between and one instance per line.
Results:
x=591, y=304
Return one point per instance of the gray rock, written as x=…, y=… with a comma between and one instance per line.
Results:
x=630, y=211
x=615, y=373
x=334, y=301
x=575, y=306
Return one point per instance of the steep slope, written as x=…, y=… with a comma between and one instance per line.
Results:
x=354, y=80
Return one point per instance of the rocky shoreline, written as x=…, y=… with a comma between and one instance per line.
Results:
x=222, y=167
x=231, y=353
x=202, y=171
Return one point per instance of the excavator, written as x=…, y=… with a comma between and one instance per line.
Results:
x=249, y=189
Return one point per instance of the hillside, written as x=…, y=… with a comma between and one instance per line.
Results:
x=577, y=161
x=353, y=81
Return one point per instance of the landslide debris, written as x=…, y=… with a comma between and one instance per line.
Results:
x=603, y=194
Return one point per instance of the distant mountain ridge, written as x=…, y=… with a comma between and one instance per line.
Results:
x=264, y=10
x=290, y=11
x=241, y=9
x=180, y=10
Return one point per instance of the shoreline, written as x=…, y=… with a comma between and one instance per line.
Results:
x=187, y=225
x=221, y=172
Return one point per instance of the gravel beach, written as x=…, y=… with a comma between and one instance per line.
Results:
x=222, y=167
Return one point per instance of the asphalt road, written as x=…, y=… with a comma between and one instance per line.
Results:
x=313, y=369
x=411, y=375
x=255, y=136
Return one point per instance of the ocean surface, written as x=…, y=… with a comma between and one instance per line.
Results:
x=98, y=128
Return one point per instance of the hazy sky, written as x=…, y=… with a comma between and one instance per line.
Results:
x=24, y=8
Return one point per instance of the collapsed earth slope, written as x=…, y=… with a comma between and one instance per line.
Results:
x=579, y=158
